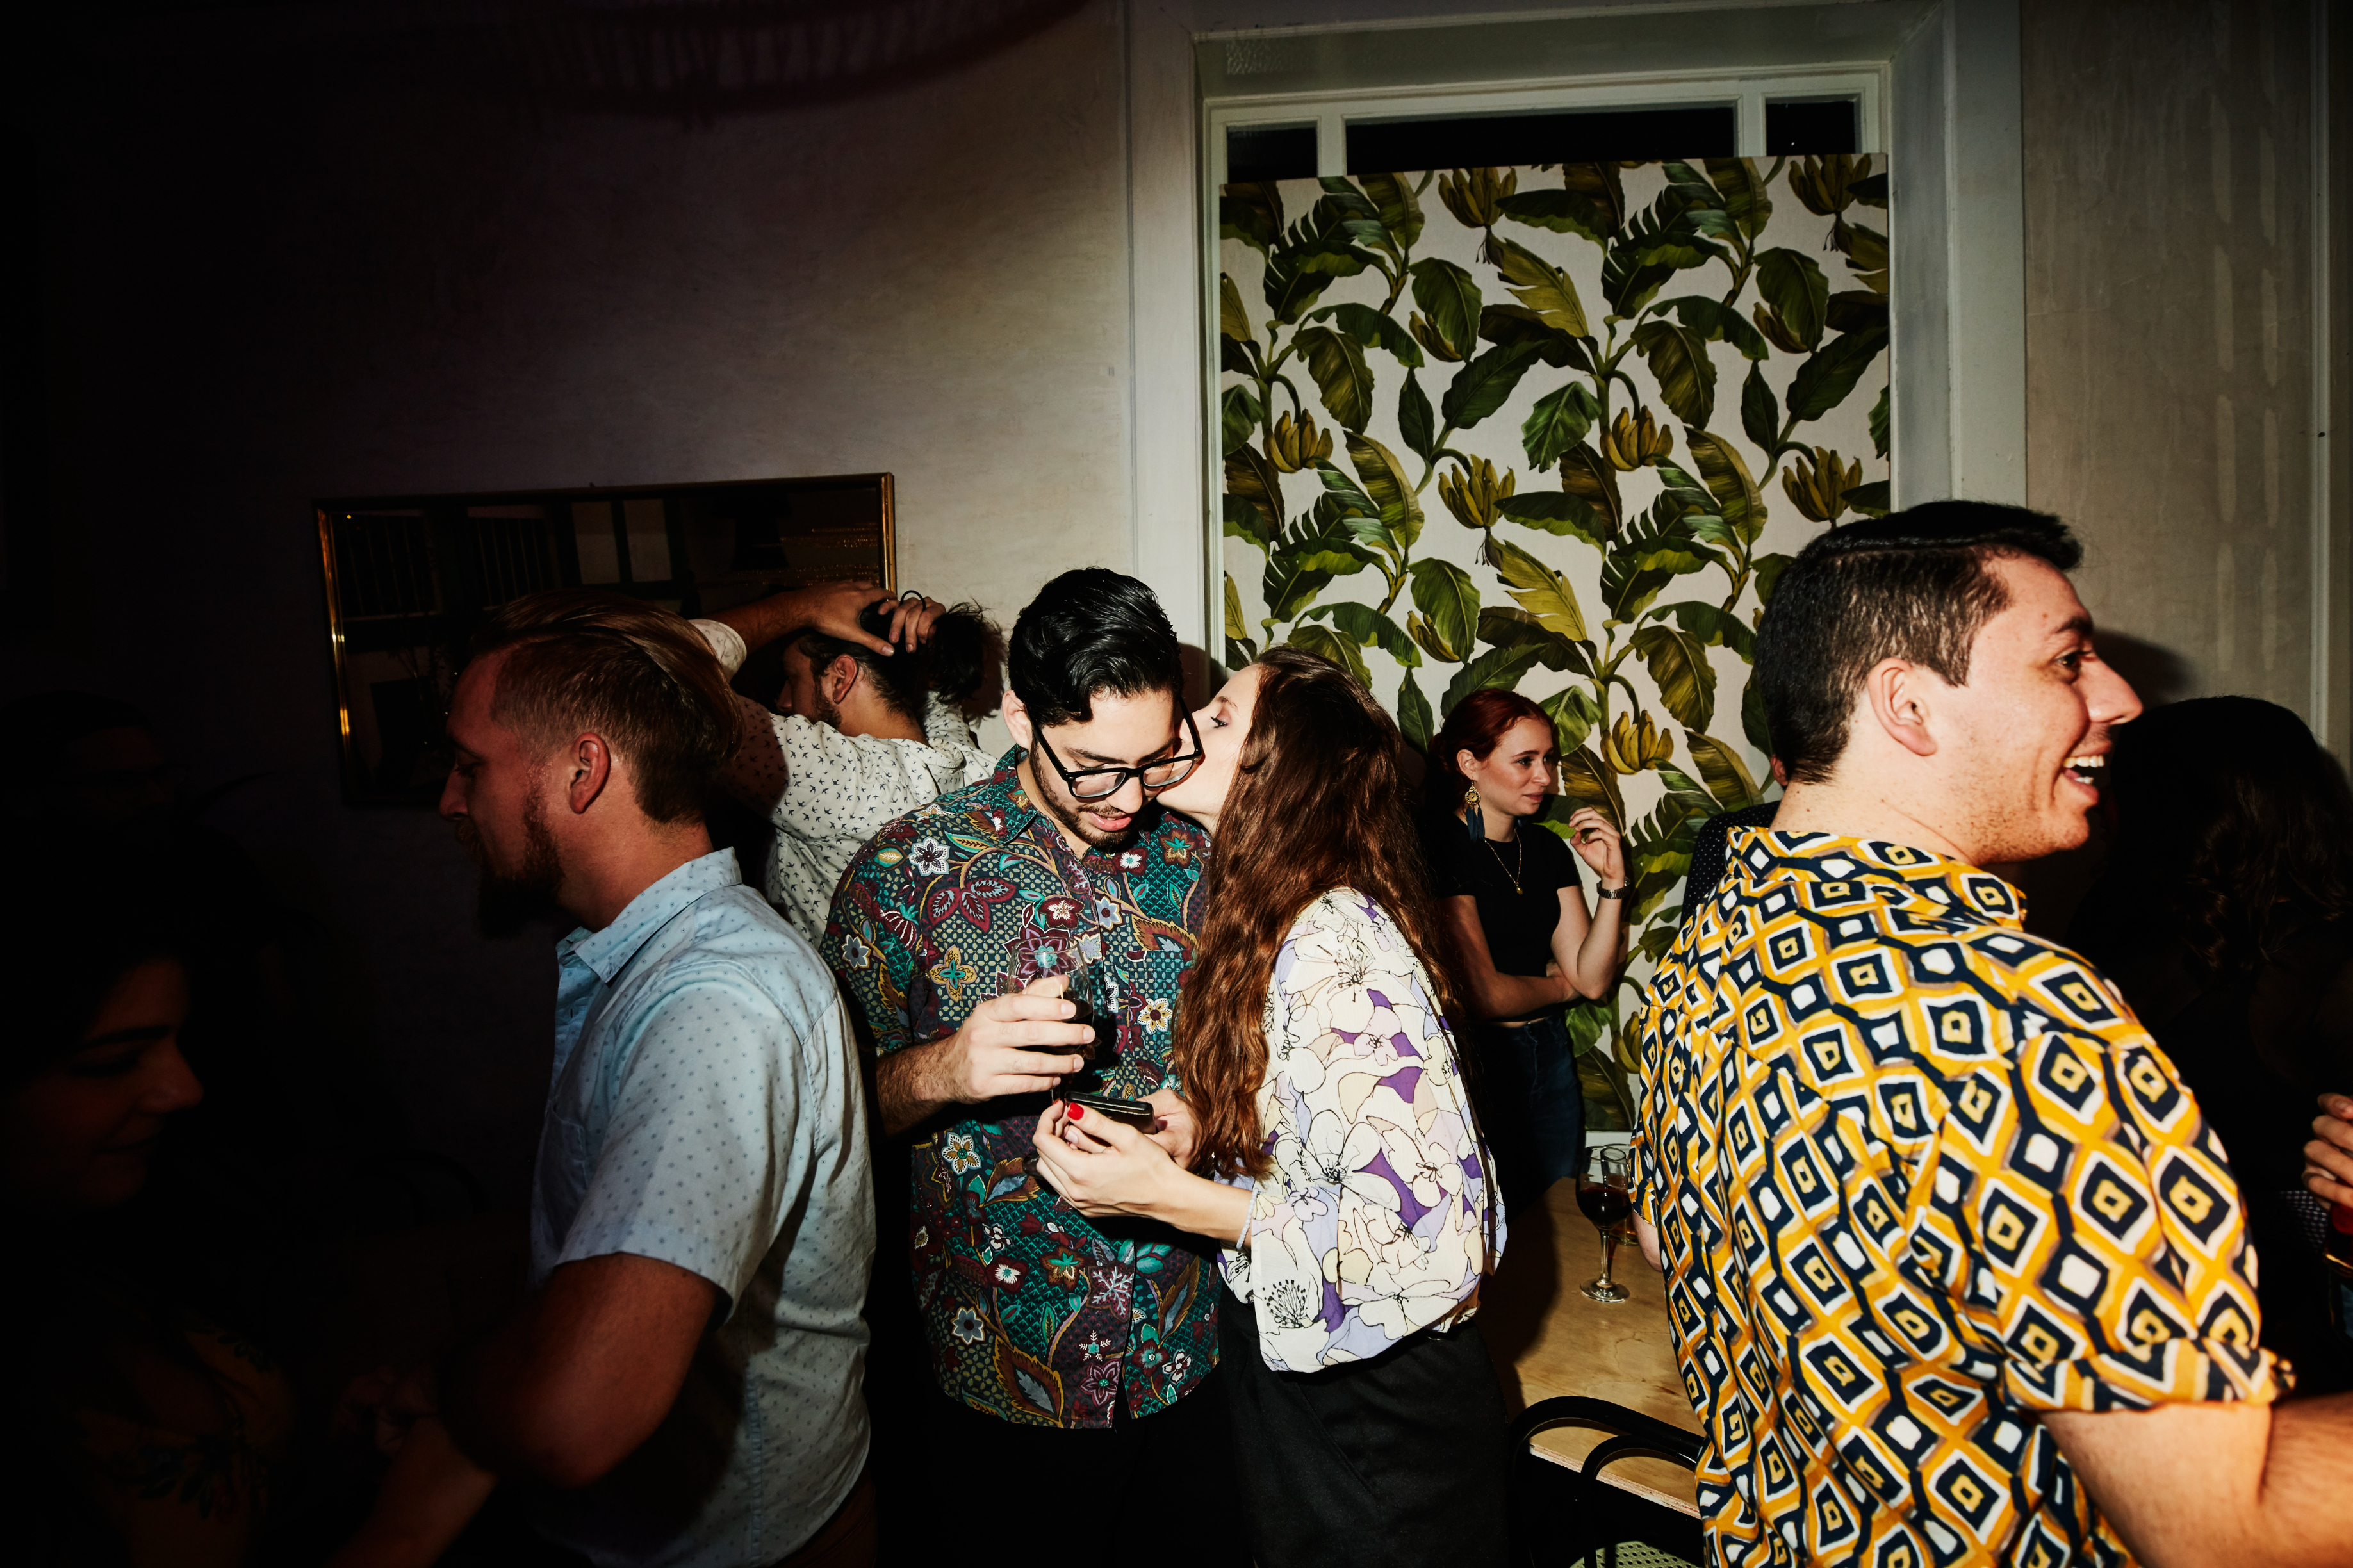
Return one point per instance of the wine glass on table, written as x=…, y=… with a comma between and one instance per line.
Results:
x=1605, y=1192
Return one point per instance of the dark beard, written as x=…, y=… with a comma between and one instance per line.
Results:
x=1070, y=817
x=508, y=903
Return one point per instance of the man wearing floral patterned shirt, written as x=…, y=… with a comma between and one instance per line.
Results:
x=1957, y=1273
x=1038, y=1317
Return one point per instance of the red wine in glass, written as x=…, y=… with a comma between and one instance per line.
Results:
x=1605, y=1206
x=1604, y=1191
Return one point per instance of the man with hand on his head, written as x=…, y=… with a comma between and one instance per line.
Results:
x=868, y=730
x=1957, y=1273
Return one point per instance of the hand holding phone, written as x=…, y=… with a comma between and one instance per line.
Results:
x=1142, y=1115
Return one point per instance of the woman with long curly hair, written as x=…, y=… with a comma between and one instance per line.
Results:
x=2225, y=915
x=1345, y=1182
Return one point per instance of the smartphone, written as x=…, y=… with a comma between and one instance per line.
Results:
x=1139, y=1114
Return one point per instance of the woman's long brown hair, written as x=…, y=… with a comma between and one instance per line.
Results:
x=1317, y=803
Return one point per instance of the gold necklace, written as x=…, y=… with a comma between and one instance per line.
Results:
x=1519, y=859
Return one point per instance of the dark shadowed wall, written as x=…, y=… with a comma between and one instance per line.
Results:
x=300, y=250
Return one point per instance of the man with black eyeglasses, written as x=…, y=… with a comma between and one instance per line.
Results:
x=1075, y=1356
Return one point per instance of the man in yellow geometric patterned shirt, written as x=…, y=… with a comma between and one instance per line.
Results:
x=1958, y=1274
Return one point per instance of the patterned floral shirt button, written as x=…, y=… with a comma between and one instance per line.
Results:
x=1917, y=1175
x=1035, y=1313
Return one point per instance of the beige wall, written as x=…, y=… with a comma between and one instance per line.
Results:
x=2171, y=415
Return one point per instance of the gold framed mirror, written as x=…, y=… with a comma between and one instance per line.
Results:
x=409, y=578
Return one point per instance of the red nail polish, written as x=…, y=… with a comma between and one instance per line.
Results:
x=1077, y=1111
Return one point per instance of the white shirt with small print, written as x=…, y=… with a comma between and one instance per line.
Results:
x=826, y=793
x=707, y=1112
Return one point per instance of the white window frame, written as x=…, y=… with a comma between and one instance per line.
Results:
x=1946, y=113
x=1332, y=113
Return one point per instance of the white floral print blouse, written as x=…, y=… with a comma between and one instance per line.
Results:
x=1376, y=1221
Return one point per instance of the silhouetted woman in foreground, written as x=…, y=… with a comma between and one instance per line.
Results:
x=2225, y=915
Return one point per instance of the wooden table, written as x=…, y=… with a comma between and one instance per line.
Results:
x=1549, y=1338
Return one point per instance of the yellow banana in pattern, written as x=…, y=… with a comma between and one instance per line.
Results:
x=1638, y=442
x=1473, y=493
x=1291, y=447
x=1819, y=483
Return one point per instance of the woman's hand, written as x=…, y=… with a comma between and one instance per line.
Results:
x=1176, y=1130
x=428, y=1497
x=1595, y=838
x=1101, y=1166
x=2329, y=1158
x=385, y=1403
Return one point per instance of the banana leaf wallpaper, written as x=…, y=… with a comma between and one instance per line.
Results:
x=1555, y=428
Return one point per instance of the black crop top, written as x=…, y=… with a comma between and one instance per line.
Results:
x=1518, y=926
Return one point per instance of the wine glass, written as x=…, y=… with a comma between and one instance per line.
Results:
x=1082, y=986
x=1604, y=1193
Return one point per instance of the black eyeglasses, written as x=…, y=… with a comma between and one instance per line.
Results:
x=1100, y=783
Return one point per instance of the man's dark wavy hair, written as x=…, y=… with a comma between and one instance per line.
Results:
x=1912, y=586
x=1091, y=632
x=953, y=662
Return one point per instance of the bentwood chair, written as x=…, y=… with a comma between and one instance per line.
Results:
x=1606, y=1527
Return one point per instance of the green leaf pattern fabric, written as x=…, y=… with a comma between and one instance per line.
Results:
x=1610, y=376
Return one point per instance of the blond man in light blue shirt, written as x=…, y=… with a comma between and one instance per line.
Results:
x=682, y=1384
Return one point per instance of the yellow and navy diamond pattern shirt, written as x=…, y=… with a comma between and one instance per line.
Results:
x=1917, y=1175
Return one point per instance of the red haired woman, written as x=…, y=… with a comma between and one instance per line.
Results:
x=1350, y=1195
x=1517, y=926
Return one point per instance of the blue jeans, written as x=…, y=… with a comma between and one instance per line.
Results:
x=1529, y=1106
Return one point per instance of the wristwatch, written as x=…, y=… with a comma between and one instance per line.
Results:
x=1616, y=892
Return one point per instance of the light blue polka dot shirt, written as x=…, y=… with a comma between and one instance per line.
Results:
x=707, y=1111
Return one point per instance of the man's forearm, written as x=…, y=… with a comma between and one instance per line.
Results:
x=763, y=621
x=583, y=1371
x=2308, y=1482
x=483, y=1387
x=910, y=1087
x=2191, y=1484
x=425, y=1502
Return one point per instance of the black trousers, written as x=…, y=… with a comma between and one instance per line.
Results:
x=1151, y=1492
x=1530, y=1107
x=1397, y=1462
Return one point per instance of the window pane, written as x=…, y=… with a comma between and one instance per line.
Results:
x=592, y=529
x=1493, y=141
x=648, y=539
x=1802, y=129
x=1270, y=152
x=384, y=566
x=514, y=551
